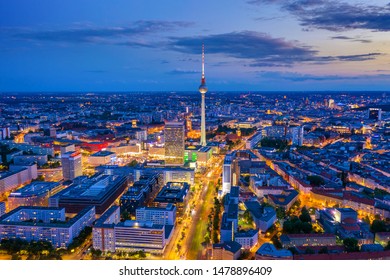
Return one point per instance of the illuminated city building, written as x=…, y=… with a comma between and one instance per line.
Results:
x=102, y=158
x=230, y=250
x=2, y=208
x=100, y=191
x=375, y=114
x=175, y=193
x=71, y=165
x=157, y=215
x=174, y=143
x=34, y=194
x=10, y=180
x=45, y=223
x=109, y=234
x=297, y=135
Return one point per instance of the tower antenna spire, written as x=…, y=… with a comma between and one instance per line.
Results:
x=203, y=77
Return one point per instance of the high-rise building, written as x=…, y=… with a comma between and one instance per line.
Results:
x=227, y=174
x=71, y=165
x=375, y=114
x=203, y=90
x=2, y=208
x=174, y=143
x=297, y=135
x=5, y=133
x=331, y=104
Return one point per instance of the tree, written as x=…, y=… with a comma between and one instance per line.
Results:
x=294, y=225
x=142, y=254
x=248, y=217
x=316, y=180
x=305, y=216
x=133, y=163
x=344, y=178
x=351, y=245
x=309, y=251
x=378, y=226
x=306, y=227
x=16, y=257
x=387, y=246
x=125, y=215
x=323, y=250
x=280, y=213
x=293, y=250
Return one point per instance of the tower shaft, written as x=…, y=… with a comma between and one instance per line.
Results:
x=203, y=122
x=203, y=90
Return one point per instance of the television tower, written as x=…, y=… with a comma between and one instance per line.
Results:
x=203, y=90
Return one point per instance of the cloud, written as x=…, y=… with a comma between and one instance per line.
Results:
x=299, y=77
x=244, y=45
x=352, y=39
x=259, y=49
x=179, y=71
x=335, y=15
x=119, y=35
x=358, y=57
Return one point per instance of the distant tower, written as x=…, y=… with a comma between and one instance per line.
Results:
x=203, y=90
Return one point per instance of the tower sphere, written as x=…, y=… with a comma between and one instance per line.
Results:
x=203, y=88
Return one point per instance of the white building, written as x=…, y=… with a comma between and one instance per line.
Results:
x=252, y=141
x=111, y=235
x=71, y=165
x=32, y=170
x=297, y=135
x=159, y=216
x=125, y=149
x=103, y=234
x=102, y=158
x=227, y=174
x=247, y=239
x=11, y=180
x=45, y=223
x=34, y=194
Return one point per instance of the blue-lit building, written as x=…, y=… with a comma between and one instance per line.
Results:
x=264, y=217
x=45, y=223
x=34, y=194
x=2, y=208
x=100, y=191
x=175, y=193
x=137, y=195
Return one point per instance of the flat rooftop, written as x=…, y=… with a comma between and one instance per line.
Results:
x=35, y=189
x=139, y=224
x=3, y=219
x=10, y=173
x=102, y=154
x=92, y=189
x=173, y=191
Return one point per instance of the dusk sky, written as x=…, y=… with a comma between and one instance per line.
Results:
x=155, y=45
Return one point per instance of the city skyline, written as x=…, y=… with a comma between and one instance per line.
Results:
x=251, y=45
x=292, y=176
